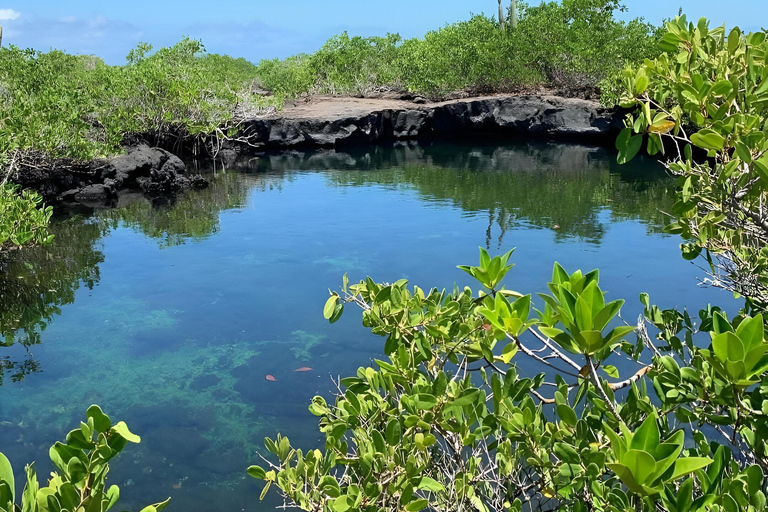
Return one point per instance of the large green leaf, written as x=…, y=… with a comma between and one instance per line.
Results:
x=687, y=466
x=708, y=139
x=751, y=331
x=628, y=145
x=728, y=347
x=646, y=437
x=122, y=429
x=640, y=463
x=101, y=421
x=6, y=475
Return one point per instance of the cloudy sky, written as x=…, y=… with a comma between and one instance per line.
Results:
x=257, y=29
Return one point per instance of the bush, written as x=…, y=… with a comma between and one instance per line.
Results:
x=576, y=44
x=708, y=92
x=83, y=461
x=448, y=420
x=23, y=219
x=78, y=107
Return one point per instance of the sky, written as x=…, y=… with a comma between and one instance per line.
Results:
x=258, y=29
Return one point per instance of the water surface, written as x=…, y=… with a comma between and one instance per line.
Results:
x=171, y=317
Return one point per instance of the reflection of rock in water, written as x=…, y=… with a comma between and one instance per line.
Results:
x=192, y=216
x=564, y=188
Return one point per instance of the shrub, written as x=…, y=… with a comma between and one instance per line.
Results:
x=576, y=44
x=83, y=461
x=23, y=219
x=79, y=107
x=708, y=93
x=449, y=421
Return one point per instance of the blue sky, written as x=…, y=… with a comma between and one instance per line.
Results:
x=257, y=29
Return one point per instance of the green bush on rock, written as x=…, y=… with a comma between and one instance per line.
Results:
x=83, y=461
x=575, y=44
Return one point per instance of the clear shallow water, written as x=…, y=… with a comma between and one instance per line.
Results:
x=170, y=318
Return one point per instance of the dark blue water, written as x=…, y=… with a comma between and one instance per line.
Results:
x=171, y=317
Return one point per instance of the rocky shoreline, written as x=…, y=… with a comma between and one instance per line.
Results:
x=327, y=122
x=324, y=122
x=153, y=171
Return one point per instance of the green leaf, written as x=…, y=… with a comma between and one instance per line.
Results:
x=510, y=349
x=728, y=347
x=611, y=371
x=424, y=401
x=467, y=397
x=567, y=414
x=160, y=506
x=394, y=431
x=628, y=145
x=430, y=484
x=101, y=421
x=342, y=503
x=6, y=475
x=257, y=472
x=687, y=466
x=415, y=506
x=708, y=139
x=647, y=437
x=751, y=331
x=330, y=306
x=734, y=38
x=122, y=430
x=641, y=82
x=640, y=463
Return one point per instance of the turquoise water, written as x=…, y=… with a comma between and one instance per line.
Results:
x=171, y=316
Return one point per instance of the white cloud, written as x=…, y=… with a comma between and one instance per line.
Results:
x=68, y=19
x=9, y=14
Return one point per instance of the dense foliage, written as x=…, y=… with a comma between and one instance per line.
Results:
x=23, y=219
x=83, y=460
x=709, y=92
x=79, y=107
x=450, y=420
x=573, y=44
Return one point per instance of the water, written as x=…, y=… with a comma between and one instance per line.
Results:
x=171, y=317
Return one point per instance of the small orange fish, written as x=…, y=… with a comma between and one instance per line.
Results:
x=271, y=378
x=303, y=369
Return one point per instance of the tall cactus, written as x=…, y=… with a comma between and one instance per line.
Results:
x=1, y=35
x=501, y=15
x=513, y=14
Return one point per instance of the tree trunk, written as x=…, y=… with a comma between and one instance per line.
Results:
x=501, y=15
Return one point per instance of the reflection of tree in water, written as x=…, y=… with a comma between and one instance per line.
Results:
x=568, y=189
x=36, y=281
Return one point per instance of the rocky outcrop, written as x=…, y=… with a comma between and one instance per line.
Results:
x=326, y=122
x=153, y=171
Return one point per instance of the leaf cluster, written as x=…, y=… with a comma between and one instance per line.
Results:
x=83, y=464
